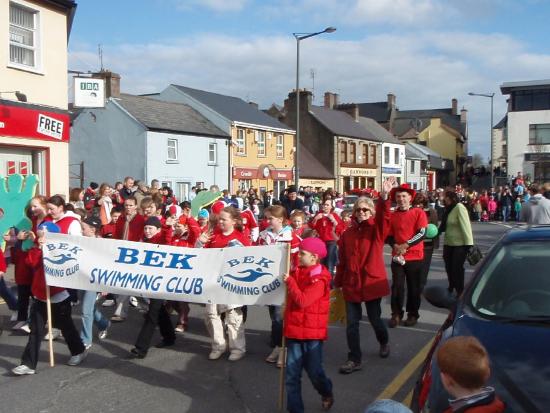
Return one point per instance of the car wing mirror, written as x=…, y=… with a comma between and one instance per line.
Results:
x=440, y=297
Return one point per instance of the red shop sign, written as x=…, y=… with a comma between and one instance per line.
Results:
x=281, y=175
x=31, y=121
x=245, y=173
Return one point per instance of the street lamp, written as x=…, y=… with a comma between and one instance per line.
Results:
x=489, y=95
x=298, y=37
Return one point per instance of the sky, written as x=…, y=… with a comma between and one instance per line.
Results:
x=426, y=52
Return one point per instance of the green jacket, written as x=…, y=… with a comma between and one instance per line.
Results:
x=459, y=230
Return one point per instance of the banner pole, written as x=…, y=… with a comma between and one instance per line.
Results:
x=283, y=346
x=50, y=335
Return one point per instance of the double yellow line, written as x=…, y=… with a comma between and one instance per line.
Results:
x=404, y=375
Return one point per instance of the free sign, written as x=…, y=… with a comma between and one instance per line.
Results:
x=49, y=126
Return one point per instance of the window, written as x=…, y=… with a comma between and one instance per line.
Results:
x=182, y=191
x=343, y=152
x=260, y=139
x=241, y=142
x=280, y=146
x=539, y=134
x=524, y=100
x=372, y=155
x=412, y=166
x=396, y=157
x=352, y=152
x=23, y=36
x=365, y=155
x=172, y=150
x=387, y=155
x=245, y=184
x=212, y=153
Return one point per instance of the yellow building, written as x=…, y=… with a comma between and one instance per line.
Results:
x=261, y=151
x=34, y=123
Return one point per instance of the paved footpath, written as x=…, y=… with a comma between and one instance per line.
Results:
x=182, y=379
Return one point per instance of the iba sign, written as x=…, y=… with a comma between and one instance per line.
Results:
x=89, y=92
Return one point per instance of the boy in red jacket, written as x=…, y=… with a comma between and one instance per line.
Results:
x=464, y=368
x=305, y=328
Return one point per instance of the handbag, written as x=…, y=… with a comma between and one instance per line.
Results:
x=474, y=255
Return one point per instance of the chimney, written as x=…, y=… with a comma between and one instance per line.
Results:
x=112, y=83
x=290, y=106
x=454, y=107
x=331, y=100
x=351, y=109
x=391, y=101
x=463, y=115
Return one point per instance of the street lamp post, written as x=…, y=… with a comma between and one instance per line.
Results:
x=489, y=95
x=298, y=37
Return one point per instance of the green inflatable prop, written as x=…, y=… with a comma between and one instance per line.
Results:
x=15, y=193
x=202, y=200
x=431, y=231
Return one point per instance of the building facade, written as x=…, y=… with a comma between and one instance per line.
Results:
x=34, y=122
x=150, y=139
x=262, y=148
x=416, y=173
x=528, y=128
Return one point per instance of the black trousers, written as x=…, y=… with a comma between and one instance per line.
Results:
x=157, y=315
x=411, y=273
x=426, y=263
x=61, y=317
x=23, y=299
x=353, y=317
x=454, y=258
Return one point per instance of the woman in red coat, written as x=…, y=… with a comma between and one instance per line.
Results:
x=361, y=273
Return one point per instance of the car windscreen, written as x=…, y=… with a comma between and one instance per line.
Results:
x=515, y=284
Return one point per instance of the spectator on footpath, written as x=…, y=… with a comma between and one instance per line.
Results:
x=105, y=203
x=141, y=192
x=91, y=227
x=537, y=210
x=361, y=273
x=305, y=326
x=291, y=201
x=127, y=190
x=76, y=197
x=90, y=196
x=464, y=369
x=458, y=241
x=407, y=229
x=506, y=202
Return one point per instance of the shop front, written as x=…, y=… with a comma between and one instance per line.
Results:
x=357, y=178
x=317, y=183
x=34, y=140
x=264, y=178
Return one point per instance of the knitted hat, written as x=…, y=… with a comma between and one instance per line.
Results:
x=183, y=220
x=153, y=222
x=217, y=207
x=314, y=246
x=94, y=185
x=93, y=221
x=203, y=213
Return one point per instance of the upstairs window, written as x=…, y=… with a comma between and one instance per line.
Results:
x=539, y=134
x=396, y=157
x=387, y=155
x=352, y=152
x=172, y=155
x=260, y=140
x=343, y=152
x=23, y=36
x=280, y=146
x=212, y=153
x=241, y=142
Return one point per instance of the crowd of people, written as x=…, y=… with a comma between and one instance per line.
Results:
x=331, y=248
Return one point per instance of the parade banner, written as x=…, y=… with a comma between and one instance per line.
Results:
x=235, y=276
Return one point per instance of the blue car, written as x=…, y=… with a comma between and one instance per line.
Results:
x=506, y=306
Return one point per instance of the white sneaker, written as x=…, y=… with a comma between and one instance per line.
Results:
x=26, y=328
x=88, y=346
x=13, y=316
x=102, y=334
x=274, y=355
x=108, y=303
x=22, y=370
x=133, y=302
x=215, y=354
x=79, y=358
x=18, y=325
x=236, y=355
x=56, y=333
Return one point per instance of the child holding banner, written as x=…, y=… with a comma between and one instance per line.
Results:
x=227, y=234
x=305, y=328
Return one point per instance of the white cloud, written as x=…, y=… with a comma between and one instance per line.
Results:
x=424, y=70
x=215, y=5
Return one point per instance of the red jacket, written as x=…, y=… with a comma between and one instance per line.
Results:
x=307, y=307
x=495, y=406
x=3, y=266
x=108, y=230
x=219, y=240
x=404, y=225
x=135, y=230
x=325, y=228
x=361, y=272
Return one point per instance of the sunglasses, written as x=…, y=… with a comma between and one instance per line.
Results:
x=365, y=210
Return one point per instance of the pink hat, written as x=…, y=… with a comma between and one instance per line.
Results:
x=314, y=246
x=217, y=207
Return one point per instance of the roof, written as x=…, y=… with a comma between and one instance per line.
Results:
x=379, y=131
x=507, y=87
x=159, y=115
x=376, y=110
x=502, y=124
x=528, y=233
x=310, y=167
x=341, y=124
x=233, y=108
x=407, y=119
x=412, y=152
x=425, y=150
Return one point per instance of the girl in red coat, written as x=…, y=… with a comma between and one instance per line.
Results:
x=329, y=227
x=306, y=320
x=227, y=234
x=361, y=273
x=298, y=221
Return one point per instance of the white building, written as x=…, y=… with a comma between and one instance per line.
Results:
x=415, y=167
x=528, y=129
x=393, y=161
x=150, y=139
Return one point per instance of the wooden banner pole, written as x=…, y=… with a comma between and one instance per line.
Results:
x=50, y=335
x=283, y=347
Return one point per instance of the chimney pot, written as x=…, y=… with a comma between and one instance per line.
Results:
x=463, y=115
x=391, y=101
x=454, y=107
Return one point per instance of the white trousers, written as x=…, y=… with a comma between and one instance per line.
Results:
x=235, y=328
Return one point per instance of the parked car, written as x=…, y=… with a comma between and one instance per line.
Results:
x=506, y=306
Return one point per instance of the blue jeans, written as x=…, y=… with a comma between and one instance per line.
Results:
x=276, y=315
x=506, y=213
x=7, y=295
x=307, y=355
x=91, y=315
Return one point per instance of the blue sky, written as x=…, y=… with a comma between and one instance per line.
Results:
x=424, y=51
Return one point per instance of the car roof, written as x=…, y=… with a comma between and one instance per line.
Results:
x=528, y=233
